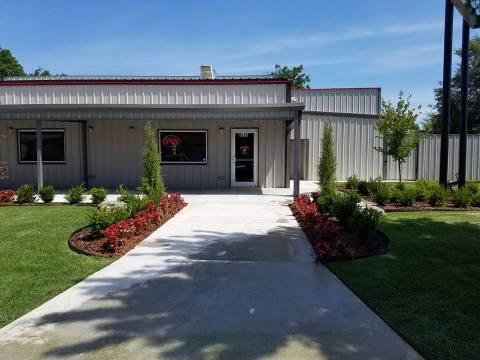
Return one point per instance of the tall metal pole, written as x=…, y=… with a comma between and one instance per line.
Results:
x=447, y=79
x=39, y=155
x=462, y=154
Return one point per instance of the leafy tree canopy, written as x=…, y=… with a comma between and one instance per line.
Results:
x=300, y=79
x=433, y=122
x=9, y=66
x=40, y=72
x=399, y=130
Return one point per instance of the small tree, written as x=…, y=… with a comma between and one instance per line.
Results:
x=9, y=65
x=152, y=182
x=327, y=165
x=399, y=131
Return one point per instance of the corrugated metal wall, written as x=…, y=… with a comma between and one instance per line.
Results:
x=362, y=101
x=408, y=168
x=143, y=94
x=355, y=139
x=114, y=150
x=58, y=175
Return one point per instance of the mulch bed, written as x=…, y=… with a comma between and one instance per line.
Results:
x=330, y=241
x=83, y=242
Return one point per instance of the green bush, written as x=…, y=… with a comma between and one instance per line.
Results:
x=476, y=199
x=100, y=219
x=438, y=195
x=473, y=187
x=326, y=202
x=327, y=165
x=423, y=188
x=133, y=203
x=382, y=195
x=362, y=187
x=47, y=193
x=363, y=221
x=407, y=196
x=98, y=194
x=76, y=194
x=152, y=181
x=373, y=185
x=401, y=186
x=25, y=194
x=352, y=182
x=344, y=207
x=462, y=197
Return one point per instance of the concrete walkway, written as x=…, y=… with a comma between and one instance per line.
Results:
x=232, y=276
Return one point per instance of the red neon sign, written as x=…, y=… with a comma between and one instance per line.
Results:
x=171, y=141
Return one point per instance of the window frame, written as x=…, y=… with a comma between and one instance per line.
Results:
x=19, y=152
x=204, y=131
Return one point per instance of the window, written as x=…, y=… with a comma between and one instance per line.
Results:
x=183, y=146
x=53, y=146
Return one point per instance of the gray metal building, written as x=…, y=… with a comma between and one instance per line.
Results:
x=213, y=132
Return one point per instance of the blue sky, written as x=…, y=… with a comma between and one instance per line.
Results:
x=392, y=44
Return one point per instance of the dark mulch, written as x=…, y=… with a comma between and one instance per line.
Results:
x=82, y=241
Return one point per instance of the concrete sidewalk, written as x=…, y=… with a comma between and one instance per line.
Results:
x=232, y=276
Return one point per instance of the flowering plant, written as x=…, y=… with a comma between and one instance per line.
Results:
x=6, y=195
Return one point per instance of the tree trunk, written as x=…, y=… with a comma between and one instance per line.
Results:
x=400, y=171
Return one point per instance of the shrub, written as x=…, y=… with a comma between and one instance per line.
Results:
x=462, y=197
x=476, y=199
x=47, y=193
x=362, y=187
x=25, y=194
x=327, y=164
x=473, y=187
x=355, y=196
x=6, y=195
x=407, y=197
x=382, y=195
x=99, y=219
x=326, y=201
x=133, y=203
x=98, y=194
x=423, y=188
x=373, y=185
x=438, y=195
x=76, y=194
x=344, y=207
x=352, y=182
x=363, y=221
x=152, y=181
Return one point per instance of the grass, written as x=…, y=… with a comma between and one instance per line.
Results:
x=427, y=287
x=36, y=262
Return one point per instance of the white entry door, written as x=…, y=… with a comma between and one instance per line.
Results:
x=244, y=157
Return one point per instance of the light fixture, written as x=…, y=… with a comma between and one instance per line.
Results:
x=132, y=128
x=220, y=129
x=10, y=129
x=90, y=129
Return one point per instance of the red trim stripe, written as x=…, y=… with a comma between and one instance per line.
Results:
x=143, y=82
x=346, y=88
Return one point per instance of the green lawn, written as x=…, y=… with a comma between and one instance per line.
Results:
x=428, y=286
x=35, y=261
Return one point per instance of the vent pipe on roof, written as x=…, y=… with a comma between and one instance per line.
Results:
x=207, y=72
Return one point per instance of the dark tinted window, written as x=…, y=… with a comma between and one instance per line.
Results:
x=53, y=146
x=183, y=146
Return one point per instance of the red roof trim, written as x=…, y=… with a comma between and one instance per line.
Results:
x=144, y=82
x=346, y=88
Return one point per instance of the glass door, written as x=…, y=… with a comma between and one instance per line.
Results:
x=244, y=157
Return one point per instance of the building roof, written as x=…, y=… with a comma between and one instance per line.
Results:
x=96, y=79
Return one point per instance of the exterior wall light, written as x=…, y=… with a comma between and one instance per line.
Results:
x=131, y=128
x=220, y=129
x=90, y=129
x=10, y=129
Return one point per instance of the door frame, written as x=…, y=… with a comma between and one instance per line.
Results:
x=234, y=131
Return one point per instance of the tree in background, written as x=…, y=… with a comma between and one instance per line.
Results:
x=399, y=130
x=300, y=79
x=327, y=164
x=9, y=66
x=40, y=72
x=433, y=122
x=152, y=181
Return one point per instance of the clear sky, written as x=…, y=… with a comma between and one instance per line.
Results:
x=392, y=44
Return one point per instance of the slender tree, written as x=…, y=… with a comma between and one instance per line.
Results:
x=399, y=130
x=300, y=79
x=152, y=182
x=327, y=164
